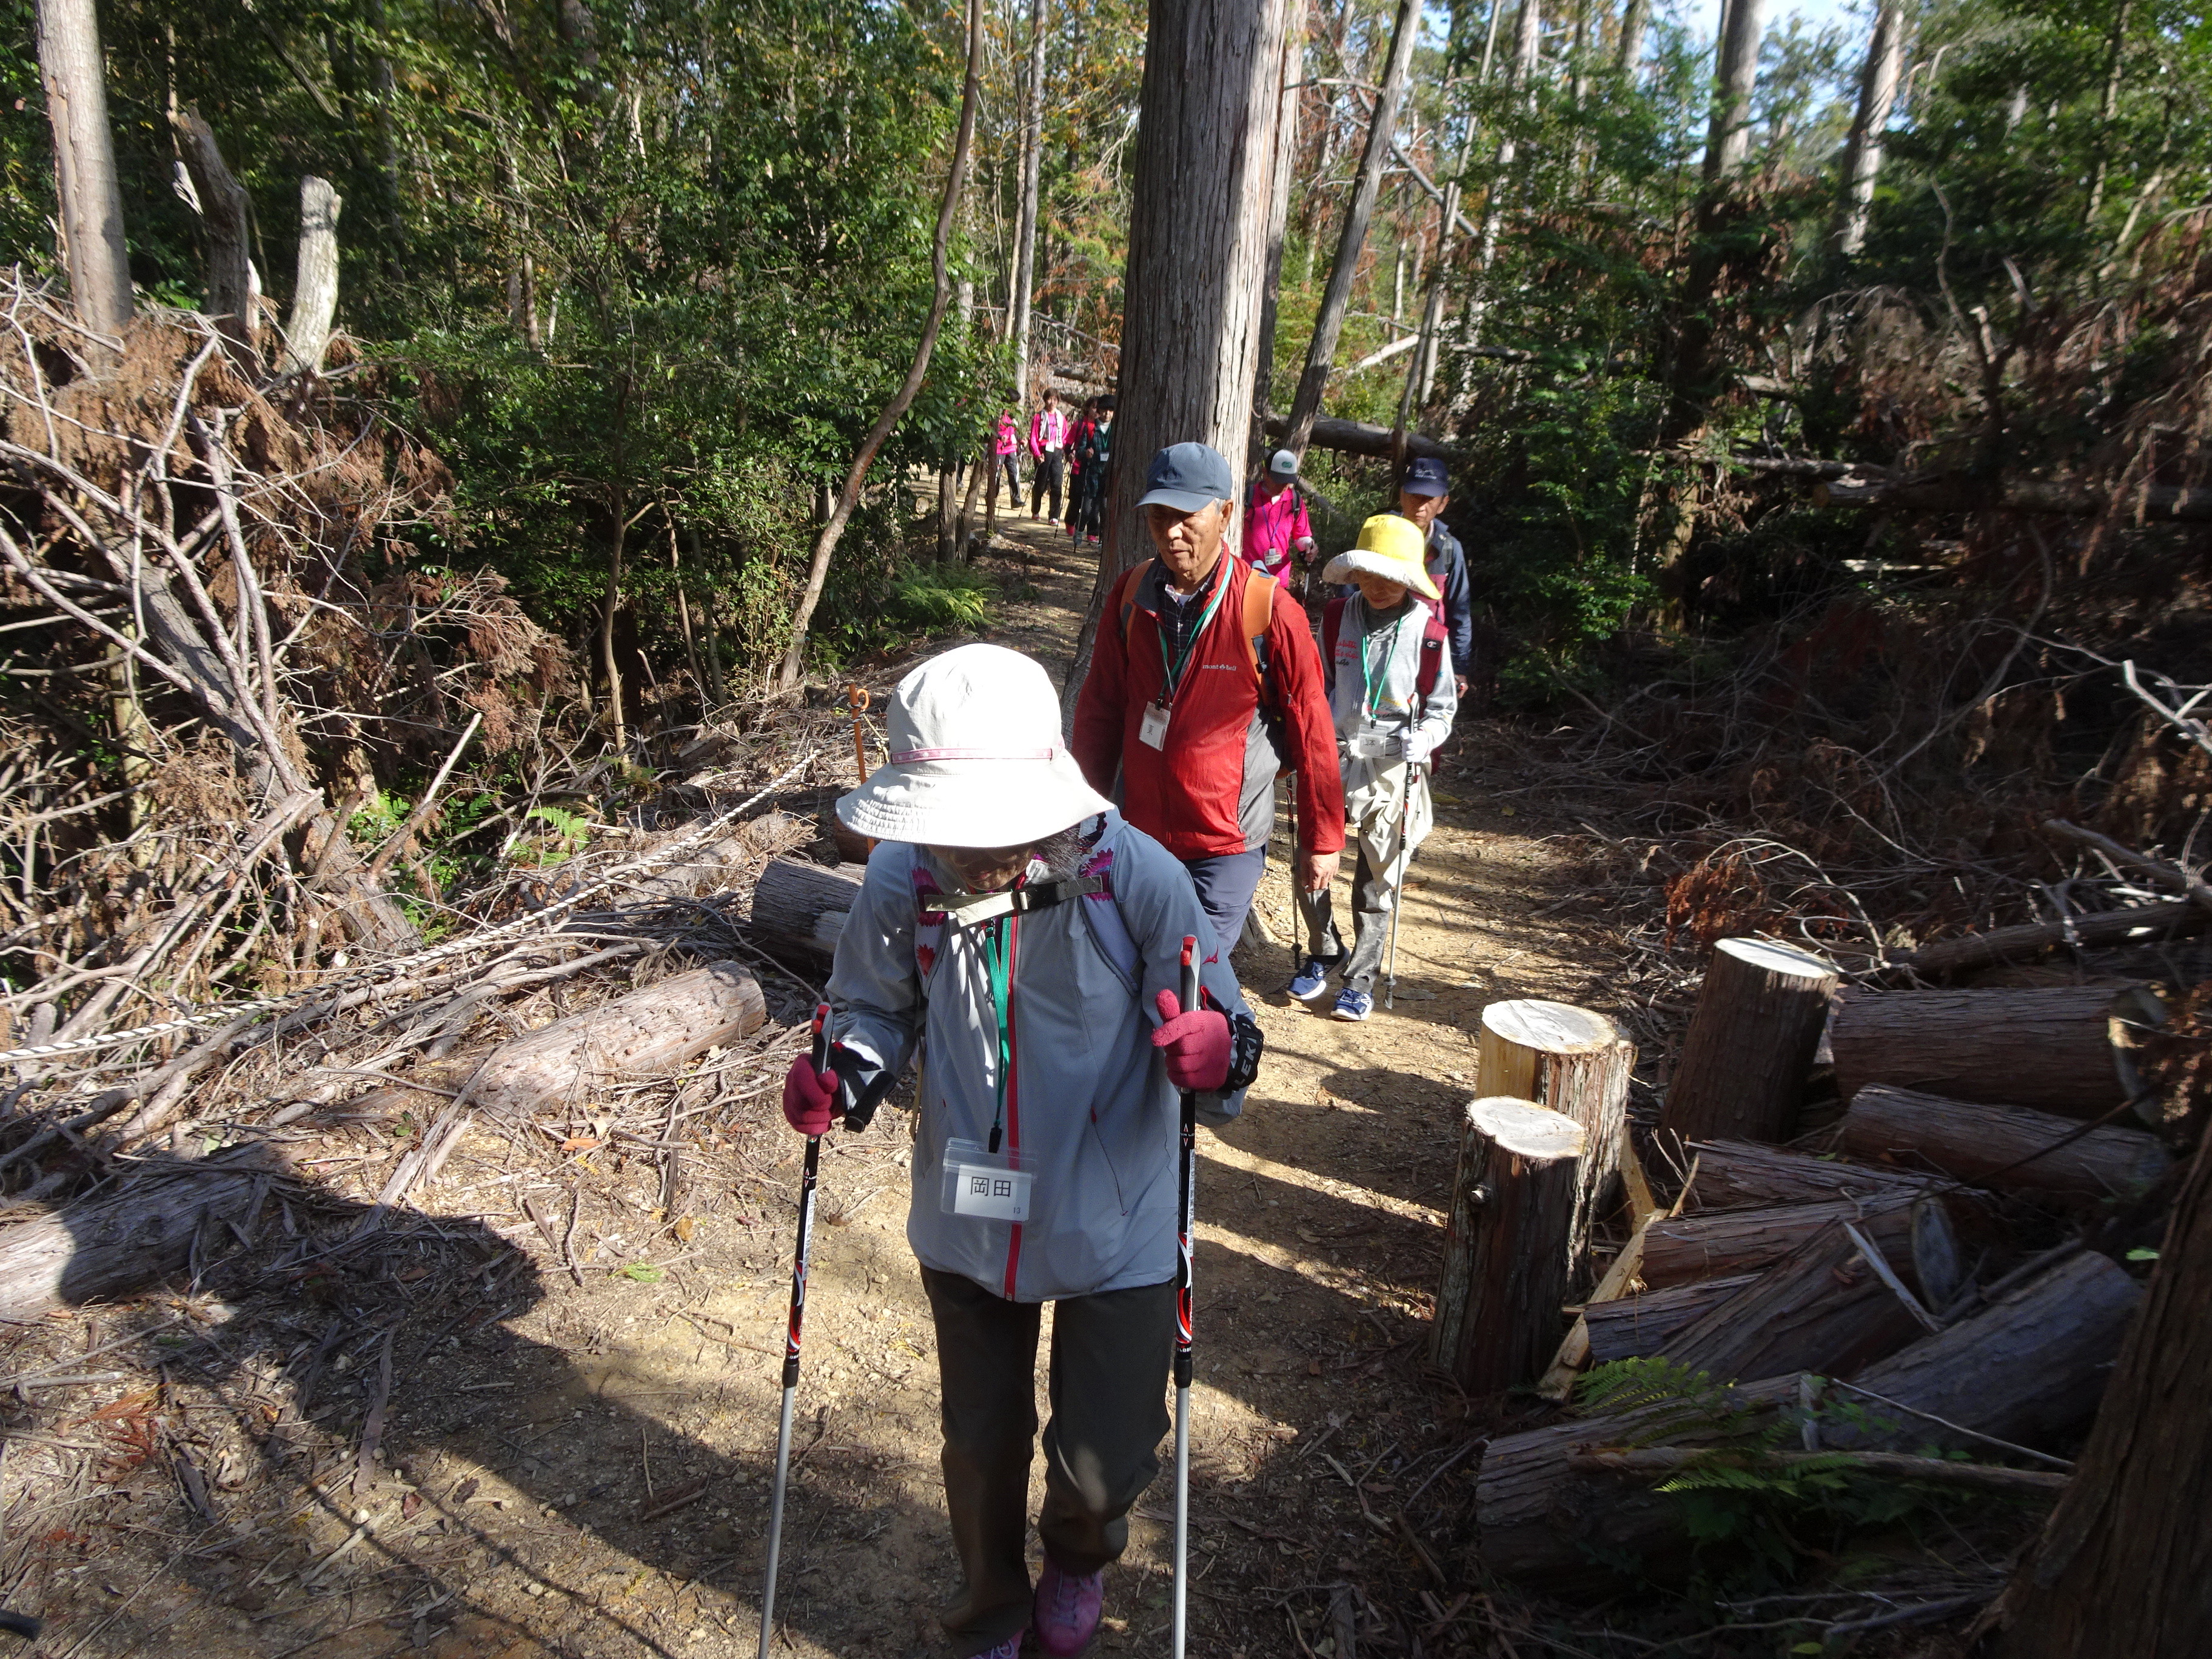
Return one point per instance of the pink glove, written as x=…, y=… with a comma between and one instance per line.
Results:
x=1197, y=1044
x=809, y=1096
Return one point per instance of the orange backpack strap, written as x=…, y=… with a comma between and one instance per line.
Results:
x=1258, y=613
x=1125, y=596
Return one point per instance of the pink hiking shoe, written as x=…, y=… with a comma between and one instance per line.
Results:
x=1067, y=1610
x=1009, y=1649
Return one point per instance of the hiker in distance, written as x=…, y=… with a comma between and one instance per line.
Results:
x=1017, y=928
x=1047, y=450
x=1201, y=688
x=1279, y=535
x=1422, y=499
x=1390, y=687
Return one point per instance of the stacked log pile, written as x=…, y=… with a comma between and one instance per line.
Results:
x=1899, y=1261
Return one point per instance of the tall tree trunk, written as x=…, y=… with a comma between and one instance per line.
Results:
x=1198, y=246
x=74, y=76
x=1635, y=18
x=315, y=289
x=818, y=569
x=2108, y=105
x=1329, y=323
x=1527, y=39
x=1885, y=60
x=231, y=288
x=1026, y=235
x=1728, y=139
x=2124, y=1569
x=1278, y=224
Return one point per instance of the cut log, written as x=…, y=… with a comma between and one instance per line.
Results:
x=1506, y=1250
x=2026, y=1369
x=1576, y=1063
x=1750, y=1044
x=1821, y=1308
x=1671, y=1460
x=654, y=1030
x=2053, y=1048
x=127, y=1237
x=2143, y=923
x=1633, y=1325
x=2008, y=1147
x=1361, y=438
x=1723, y=1241
x=802, y=907
x=712, y=868
x=1738, y=1174
x=1955, y=492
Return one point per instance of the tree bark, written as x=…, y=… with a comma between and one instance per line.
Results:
x=818, y=568
x=1635, y=18
x=2108, y=105
x=1750, y=1044
x=1953, y=493
x=1507, y=1249
x=1329, y=322
x=2047, y=1047
x=1821, y=1308
x=1863, y=150
x=315, y=289
x=1630, y=1327
x=1278, y=224
x=1198, y=248
x=1024, y=281
x=799, y=906
x=2139, y=922
x=1361, y=438
x=649, y=1032
x=2008, y=1147
x=2125, y=1565
x=230, y=285
x=1739, y=1175
x=1681, y=1250
x=1527, y=40
x=74, y=75
x=2026, y=1369
x=1574, y=1062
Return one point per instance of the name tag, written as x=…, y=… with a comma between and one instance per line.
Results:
x=1152, y=726
x=1372, y=745
x=987, y=1186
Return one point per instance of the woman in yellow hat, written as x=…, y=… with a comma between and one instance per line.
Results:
x=1386, y=662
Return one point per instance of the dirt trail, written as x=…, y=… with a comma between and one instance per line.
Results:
x=586, y=1474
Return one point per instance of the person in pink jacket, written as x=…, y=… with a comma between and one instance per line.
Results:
x=1003, y=447
x=1048, y=449
x=1278, y=530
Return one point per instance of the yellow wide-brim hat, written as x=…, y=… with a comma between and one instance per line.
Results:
x=1389, y=547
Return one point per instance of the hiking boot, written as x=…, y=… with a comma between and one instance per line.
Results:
x=1310, y=983
x=1066, y=1609
x=1352, y=1004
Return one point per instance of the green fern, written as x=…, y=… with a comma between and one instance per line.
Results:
x=1668, y=1400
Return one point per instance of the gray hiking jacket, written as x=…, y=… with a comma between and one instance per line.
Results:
x=1089, y=1108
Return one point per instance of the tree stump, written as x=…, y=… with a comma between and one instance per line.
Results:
x=2051, y=1047
x=2026, y=1368
x=1821, y=1308
x=1750, y=1044
x=1506, y=1262
x=1576, y=1063
x=802, y=907
x=1739, y=1175
x=1685, y=1249
x=2008, y=1147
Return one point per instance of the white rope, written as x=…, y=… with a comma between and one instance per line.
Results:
x=220, y=1013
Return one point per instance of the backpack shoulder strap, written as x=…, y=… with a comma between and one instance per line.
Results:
x=1259, y=614
x=1125, y=596
x=1332, y=624
x=1434, y=637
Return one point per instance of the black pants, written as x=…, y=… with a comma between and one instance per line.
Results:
x=1045, y=478
x=1007, y=465
x=1108, y=1388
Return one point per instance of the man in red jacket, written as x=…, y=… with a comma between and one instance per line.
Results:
x=1197, y=679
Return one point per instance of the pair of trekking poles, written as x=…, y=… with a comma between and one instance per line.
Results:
x=1403, y=860
x=1186, y=1197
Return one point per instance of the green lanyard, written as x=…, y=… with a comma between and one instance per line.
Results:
x=1171, y=672
x=997, y=969
x=1367, y=686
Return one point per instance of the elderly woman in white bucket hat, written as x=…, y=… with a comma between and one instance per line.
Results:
x=1015, y=927
x=1386, y=660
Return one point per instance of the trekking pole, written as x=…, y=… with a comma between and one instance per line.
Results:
x=821, y=1055
x=1186, y=1201
x=1398, y=886
x=1297, y=883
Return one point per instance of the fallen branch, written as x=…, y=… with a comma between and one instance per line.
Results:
x=2169, y=875
x=1684, y=1460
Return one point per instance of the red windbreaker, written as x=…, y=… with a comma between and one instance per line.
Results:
x=1186, y=795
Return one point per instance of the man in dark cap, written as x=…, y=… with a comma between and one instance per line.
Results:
x=1423, y=498
x=1201, y=688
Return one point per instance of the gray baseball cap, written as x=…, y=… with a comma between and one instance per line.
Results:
x=1284, y=465
x=1188, y=477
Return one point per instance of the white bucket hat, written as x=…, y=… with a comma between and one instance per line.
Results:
x=976, y=757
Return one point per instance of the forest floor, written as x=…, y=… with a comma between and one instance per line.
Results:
x=580, y=1466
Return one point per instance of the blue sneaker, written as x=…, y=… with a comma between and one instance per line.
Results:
x=1310, y=983
x=1352, y=1004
